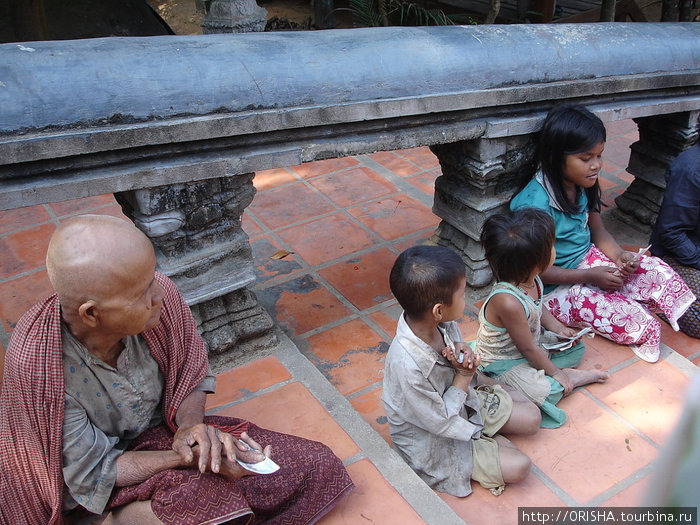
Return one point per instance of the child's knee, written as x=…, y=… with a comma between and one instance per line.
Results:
x=515, y=467
x=532, y=419
x=522, y=468
x=525, y=419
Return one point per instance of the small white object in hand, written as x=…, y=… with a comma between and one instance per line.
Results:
x=266, y=466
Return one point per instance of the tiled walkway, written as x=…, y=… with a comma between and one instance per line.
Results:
x=344, y=221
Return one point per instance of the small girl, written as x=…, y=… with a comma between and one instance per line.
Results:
x=593, y=281
x=518, y=246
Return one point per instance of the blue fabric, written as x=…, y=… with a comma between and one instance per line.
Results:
x=677, y=230
x=552, y=416
x=573, y=237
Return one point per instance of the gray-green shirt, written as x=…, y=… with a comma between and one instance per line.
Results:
x=106, y=408
x=431, y=422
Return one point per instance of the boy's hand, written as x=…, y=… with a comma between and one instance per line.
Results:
x=470, y=362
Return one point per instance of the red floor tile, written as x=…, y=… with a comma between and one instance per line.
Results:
x=369, y=406
x=251, y=377
x=251, y=227
x=11, y=220
x=681, y=343
x=353, y=186
x=393, y=162
x=292, y=409
x=312, y=169
x=114, y=210
x=565, y=454
x=25, y=250
x=385, y=319
x=483, y=508
x=350, y=355
x=267, y=179
x=631, y=137
x=396, y=216
x=327, y=238
x=625, y=176
x=608, y=197
x=374, y=500
x=268, y=267
x=422, y=156
x=64, y=208
x=603, y=354
x=468, y=326
x=20, y=294
x=425, y=182
x=620, y=127
x=610, y=172
x=363, y=280
x=617, y=152
x=296, y=202
x=632, y=496
x=649, y=396
x=606, y=184
x=301, y=304
x=419, y=238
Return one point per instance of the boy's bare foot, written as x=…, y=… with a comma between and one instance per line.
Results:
x=585, y=377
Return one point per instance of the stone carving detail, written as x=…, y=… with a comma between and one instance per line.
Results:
x=479, y=177
x=231, y=16
x=661, y=139
x=196, y=231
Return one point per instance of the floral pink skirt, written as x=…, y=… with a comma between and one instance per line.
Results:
x=625, y=316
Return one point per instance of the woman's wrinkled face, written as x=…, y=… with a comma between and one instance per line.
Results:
x=134, y=300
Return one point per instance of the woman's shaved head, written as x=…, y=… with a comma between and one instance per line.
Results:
x=90, y=256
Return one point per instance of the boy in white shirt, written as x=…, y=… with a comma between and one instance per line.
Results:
x=442, y=422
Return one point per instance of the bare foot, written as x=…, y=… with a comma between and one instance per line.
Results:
x=585, y=377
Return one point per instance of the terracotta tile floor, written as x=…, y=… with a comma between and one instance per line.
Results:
x=344, y=222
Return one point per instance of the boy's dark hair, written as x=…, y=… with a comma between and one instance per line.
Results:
x=424, y=276
x=517, y=242
x=567, y=130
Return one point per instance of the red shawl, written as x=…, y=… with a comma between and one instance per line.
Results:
x=33, y=393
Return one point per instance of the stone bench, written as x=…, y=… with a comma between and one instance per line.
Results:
x=176, y=126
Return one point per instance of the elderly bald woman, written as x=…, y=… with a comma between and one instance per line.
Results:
x=102, y=405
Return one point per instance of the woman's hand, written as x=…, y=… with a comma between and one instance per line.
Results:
x=211, y=448
x=605, y=278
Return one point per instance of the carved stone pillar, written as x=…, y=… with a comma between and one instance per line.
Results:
x=661, y=139
x=196, y=231
x=231, y=16
x=479, y=177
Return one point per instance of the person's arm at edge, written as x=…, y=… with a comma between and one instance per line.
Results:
x=679, y=215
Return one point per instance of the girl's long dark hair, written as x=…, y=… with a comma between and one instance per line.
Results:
x=567, y=130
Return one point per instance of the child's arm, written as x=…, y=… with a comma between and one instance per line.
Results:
x=505, y=311
x=466, y=369
x=626, y=261
x=604, y=277
x=553, y=324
